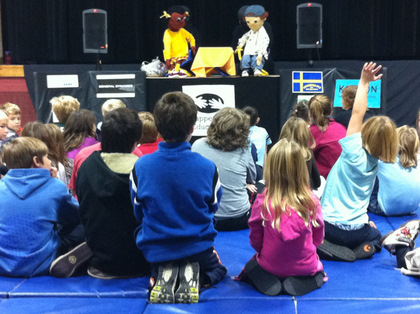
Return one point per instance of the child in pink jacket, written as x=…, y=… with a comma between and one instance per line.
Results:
x=286, y=227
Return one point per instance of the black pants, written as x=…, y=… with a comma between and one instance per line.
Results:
x=233, y=224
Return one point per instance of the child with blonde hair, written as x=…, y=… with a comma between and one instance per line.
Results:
x=295, y=129
x=286, y=227
x=349, y=234
x=14, y=124
x=4, y=130
x=397, y=188
x=150, y=139
x=108, y=106
x=63, y=106
x=326, y=133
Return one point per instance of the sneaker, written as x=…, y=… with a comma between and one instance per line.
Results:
x=96, y=273
x=189, y=285
x=404, y=235
x=333, y=252
x=163, y=290
x=364, y=250
x=257, y=72
x=245, y=73
x=65, y=265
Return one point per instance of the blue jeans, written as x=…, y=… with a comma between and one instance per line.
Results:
x=352, y=238
x=250, y=62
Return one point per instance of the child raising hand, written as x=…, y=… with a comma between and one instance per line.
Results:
x=348, y=233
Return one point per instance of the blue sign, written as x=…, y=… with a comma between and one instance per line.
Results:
x=307, y=82
x=374, y=94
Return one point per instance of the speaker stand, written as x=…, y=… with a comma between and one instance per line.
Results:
x=98, y=62
x=310, y=62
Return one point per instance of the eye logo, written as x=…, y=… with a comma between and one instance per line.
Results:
x=209, y=103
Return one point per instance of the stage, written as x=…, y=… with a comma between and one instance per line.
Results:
x=271, y=95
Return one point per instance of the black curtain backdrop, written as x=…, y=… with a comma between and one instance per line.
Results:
x=50, y=31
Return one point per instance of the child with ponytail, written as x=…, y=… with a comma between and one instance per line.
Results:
x=326, y=133
x=295, y=129
x=286, y=227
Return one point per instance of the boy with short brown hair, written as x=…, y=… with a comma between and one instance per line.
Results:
x=38, y=214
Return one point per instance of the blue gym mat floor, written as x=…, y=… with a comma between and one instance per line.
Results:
x=368, y=286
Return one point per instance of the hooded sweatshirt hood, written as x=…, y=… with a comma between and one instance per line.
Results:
x=24, y=182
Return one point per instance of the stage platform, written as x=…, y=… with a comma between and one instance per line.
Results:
x=367, y=286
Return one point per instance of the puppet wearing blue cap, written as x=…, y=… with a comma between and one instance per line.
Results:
x=255, y=41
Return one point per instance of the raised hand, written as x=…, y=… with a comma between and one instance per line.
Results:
x=369, y=72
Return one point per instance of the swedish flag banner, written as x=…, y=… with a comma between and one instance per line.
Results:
x=307, y=82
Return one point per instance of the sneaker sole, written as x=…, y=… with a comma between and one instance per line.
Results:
x=65, y=265
x=301, y=285
x=187, y=293
x=332, y=252
x=264, y=282
x=381, y=241
x=364, y=250
x=163, y=291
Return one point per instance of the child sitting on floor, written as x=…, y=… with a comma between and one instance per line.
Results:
x=326, y=133
x=14, y=115
x=227, y=145
x=79, y=132
x=4, y=130
x=259, y=137
x=38, y=216
x=51, y=136
x=175, y=194
x=105, y=205
x=295, y=129
x=349, y=234
x=108, y=106
x=150, y=136
x=63, y=106
x=286, y=227
x=397, y=187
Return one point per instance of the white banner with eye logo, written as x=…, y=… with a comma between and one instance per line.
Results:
x=209, y=100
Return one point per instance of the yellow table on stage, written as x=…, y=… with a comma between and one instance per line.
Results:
x=208, y=58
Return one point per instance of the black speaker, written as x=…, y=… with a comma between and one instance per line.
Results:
x=95, y=35
x=309, y=25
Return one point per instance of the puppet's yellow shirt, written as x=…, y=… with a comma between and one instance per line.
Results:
x=176, y=43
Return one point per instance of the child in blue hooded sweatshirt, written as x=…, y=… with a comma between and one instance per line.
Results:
x=37, y=214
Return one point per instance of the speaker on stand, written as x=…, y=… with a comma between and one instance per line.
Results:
x=95, y=33
x=309, y=28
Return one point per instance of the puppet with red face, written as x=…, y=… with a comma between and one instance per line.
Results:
x=176, y=40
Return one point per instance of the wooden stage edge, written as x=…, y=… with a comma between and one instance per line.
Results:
x=11, y=71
